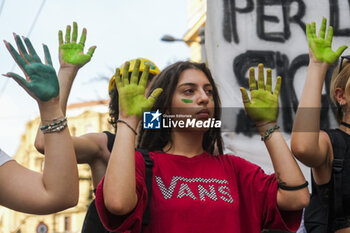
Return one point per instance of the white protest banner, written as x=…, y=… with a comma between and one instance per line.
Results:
x=243, y=33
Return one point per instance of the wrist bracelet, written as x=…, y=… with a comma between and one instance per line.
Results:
x=268, y=132
x=126, y=123
x=55, y=126
x=293, y=188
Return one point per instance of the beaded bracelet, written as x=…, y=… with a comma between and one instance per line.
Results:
x=56, y=126
x=268, y=132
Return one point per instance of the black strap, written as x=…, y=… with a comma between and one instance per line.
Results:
x=336, y=197
x=293, y=188
x=110, y=140
x=149, y=174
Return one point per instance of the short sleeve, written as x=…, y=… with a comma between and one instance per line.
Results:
x=132, y=221
x=259, y=192
x=4, y=157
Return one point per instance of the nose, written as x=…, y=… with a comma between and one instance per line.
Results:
x=203, y=98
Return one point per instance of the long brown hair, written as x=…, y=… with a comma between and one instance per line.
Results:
x=157, y=139
x=340, y=81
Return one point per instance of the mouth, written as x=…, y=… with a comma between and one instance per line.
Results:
x=204, y=113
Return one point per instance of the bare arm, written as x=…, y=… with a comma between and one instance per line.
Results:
x=58, y=187
x=263, y=109
x=309, y=145
x=119, y=188
x=54, y=190
x=72, y=58
x=287, y=172
x=120, y=181
x=306, y=143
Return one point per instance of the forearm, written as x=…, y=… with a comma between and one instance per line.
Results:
x=54, y=190
x=287, y=172
x=306, y=128
x=66, y=77
x=60, y=175
x=120, y=181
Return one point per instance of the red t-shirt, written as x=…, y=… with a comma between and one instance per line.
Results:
x=203, y=194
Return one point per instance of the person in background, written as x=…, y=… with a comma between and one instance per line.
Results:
x=317, y=148
x=57, y=188
x=93, y=148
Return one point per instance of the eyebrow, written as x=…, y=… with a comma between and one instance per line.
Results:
x=193, y=84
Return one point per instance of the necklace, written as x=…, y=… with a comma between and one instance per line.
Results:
x=345, y=124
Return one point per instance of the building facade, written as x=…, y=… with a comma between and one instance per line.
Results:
x=194, y=37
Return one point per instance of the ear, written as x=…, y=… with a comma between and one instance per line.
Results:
x=340, y=96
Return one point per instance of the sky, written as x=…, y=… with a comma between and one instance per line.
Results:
x=121, y=30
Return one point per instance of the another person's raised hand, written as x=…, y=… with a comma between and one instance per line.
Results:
x=320, y=46
x=41, y=79
x=71, y=52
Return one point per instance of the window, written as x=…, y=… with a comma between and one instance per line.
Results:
x=67, y=223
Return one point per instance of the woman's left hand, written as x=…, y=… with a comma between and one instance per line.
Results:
x=263, y=105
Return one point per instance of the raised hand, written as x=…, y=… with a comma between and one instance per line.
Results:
x=132, y=100
x=72, y=52
x=322, y=48
x=41, y=79
x=263, y=106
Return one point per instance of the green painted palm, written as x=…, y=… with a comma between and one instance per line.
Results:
x=321, y=47
x=41, y=79
x=132, y=100
x=72, y=52
x=263, y=106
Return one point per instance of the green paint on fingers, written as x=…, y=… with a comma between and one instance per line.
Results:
x=132, y=100
x=263, y=105
x=321, y=46
x=43, y=84
x=73, y=52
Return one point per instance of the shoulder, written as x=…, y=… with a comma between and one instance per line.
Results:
x=95, y=137
x=4, y=157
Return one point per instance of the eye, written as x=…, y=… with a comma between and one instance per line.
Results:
x=209, y=92
x=188, y=91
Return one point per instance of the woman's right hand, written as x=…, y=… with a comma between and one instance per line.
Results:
x=132, y=100
x=321, y=48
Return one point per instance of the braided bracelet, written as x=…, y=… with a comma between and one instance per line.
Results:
x=56, y=126
x=268, y=132
x=293, y=188
x=126, y=123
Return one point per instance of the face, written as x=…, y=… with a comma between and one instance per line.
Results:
x=193, y=95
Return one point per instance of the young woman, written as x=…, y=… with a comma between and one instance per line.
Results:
x=316, y=148
x=57, y=188
x=192, y=189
